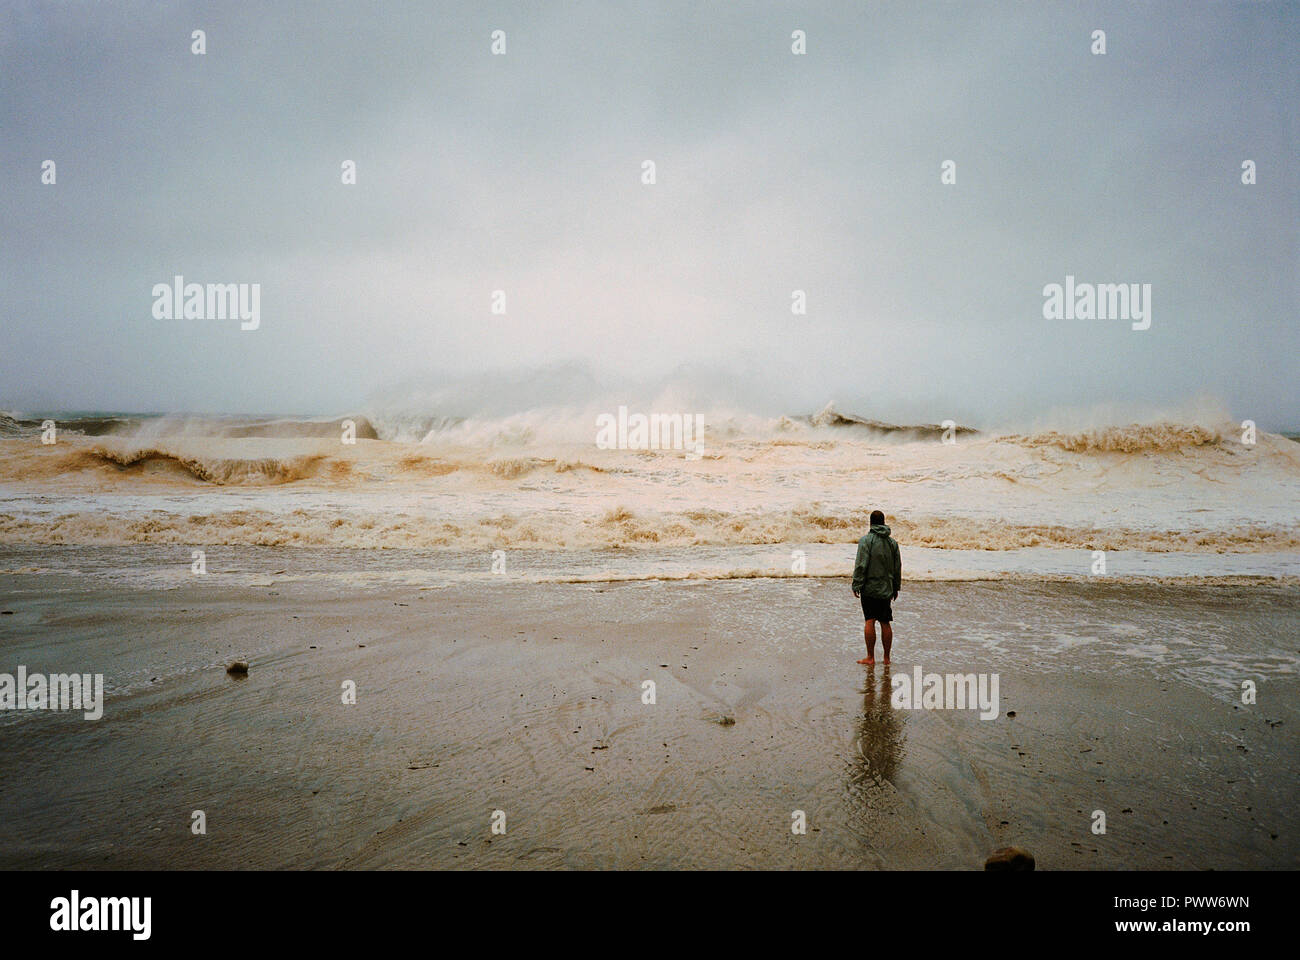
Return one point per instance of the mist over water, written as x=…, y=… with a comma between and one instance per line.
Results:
x=573, y=393
x=576, y=389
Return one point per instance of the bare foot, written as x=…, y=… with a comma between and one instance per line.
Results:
x=869, y=662
x=885, y=661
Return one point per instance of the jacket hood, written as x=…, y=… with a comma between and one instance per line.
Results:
x=880, y=529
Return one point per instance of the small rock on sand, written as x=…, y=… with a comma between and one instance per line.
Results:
x=237, y=667
x=1015, y=859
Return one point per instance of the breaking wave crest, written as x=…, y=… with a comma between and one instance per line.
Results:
x=216, y=470
x=162, y=463
x=1134, y=438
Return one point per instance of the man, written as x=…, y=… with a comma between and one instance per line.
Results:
x=877, y=575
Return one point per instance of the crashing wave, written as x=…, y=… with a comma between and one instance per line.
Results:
x=217, y=470
x=1134, y=438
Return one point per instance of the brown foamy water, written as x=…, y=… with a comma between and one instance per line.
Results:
x=1147, y=487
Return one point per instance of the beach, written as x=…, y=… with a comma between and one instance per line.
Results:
x=508, y=697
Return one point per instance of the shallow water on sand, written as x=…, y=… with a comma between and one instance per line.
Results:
x=171, y=565
x=503, y=694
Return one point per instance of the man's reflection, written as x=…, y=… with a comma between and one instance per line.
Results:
x=880, y=731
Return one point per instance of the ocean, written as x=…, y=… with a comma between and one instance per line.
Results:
x=759, y=496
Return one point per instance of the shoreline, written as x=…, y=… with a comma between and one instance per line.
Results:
x=170, y=565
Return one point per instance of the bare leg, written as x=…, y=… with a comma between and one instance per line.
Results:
x=869, y=636
x=886, y=637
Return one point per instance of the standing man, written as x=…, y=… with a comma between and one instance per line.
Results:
x=877, y=575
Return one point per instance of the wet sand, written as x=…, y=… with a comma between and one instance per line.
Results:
x=527, y=698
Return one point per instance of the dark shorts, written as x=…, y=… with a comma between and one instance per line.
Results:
x=874, y=608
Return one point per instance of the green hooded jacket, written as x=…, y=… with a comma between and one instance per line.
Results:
x=878, y=569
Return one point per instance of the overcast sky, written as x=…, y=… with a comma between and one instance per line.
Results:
x=775, y=172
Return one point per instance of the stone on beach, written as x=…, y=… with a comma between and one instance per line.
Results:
x=1015, y=859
